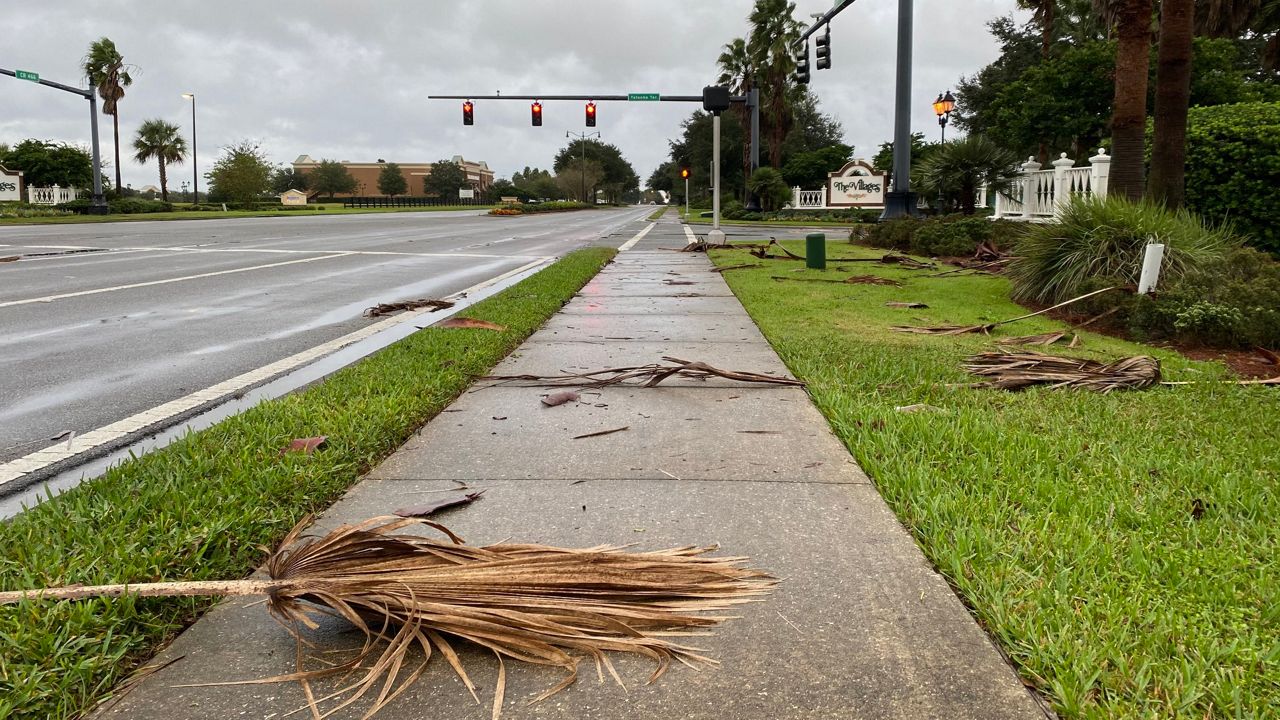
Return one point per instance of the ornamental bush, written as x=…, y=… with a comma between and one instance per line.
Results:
x=1233, y=168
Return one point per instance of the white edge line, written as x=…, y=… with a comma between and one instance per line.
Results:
x=631, y=243
x=690, y=235
x=107, y=434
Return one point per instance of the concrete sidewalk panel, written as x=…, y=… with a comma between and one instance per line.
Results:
x=859, y=627
x=536, y=358
x=692, y=303
x=653, y=328
x=746, y=433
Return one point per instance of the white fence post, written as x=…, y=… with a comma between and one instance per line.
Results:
x=795, y=196
x=1061, y=194
x=1101, y=169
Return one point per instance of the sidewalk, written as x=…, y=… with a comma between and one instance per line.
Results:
x=860, y=626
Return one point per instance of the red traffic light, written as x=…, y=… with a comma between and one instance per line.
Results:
x=591, y=114
x=468, y=113
x=536, y=111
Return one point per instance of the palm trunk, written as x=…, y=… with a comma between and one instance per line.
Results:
x=1047, y=19
x=164, y=183
x=1173, y=95
x=115, y=131
x=1129, y=113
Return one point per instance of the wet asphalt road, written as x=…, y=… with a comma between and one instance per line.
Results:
x=168, y=308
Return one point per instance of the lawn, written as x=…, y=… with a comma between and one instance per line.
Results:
x=657, y=214
x=211, y=504
x=313, y=211
x=1122, y=548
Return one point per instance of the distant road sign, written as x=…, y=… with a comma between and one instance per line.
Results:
x=643, y=97
x=27, y=75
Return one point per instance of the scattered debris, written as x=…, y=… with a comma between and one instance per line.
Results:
x=919, y=407
x=499, y=417
x=602, y=432
x=10, y=258
x=422, y=511
x=1268, y=355
x=742, y=266
x=306, y=445
x=854, y=280
x=678, y=282
x=1015, y=371
x=654, y=373
x=762, y=251
x=1048, y=338
x=906, y=262
x=912, y=305
x=962, y=329
x=560, y=398
x=466, y=322
x=548, y=606
x=760, y=432
x=388, y=308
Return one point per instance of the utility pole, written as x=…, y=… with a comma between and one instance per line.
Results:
x=583, y=167
x=900, y=201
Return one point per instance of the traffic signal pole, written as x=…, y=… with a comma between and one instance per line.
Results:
x=99, y=206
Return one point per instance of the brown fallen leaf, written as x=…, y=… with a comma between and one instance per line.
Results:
x=306, y=445
x=560, y=398
x=472, y=323
x=916, y=305
x=427, y=509
x=602, y=432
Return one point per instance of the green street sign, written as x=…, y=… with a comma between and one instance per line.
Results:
x=27, y=75
x=643, y=97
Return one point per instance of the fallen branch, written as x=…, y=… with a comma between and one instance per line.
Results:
x=1015, y=371
x=650, y=374
x=727, y=268
x=388, y=308
x=601, y=432
x=1048, y=338
x=853, y=280
x=962, y=329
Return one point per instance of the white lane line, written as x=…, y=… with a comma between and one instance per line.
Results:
x=51, y=298
x=275, y=251
x=689, y=234
x=630, y=243
x=120, y=429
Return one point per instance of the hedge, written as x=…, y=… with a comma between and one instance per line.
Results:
x=1233, y=168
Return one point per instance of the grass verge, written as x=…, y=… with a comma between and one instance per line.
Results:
x=1122, y=549
x=328, y=209
x=657, y=214
x=209, y=505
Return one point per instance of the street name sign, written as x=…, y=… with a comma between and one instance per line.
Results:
x=27, y=75
x=643, y=97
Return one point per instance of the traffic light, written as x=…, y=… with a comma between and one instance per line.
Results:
x=824, y=50
x=684, y=173
x=536, y=110
x=591, y=114
x=802, y=64
x=468, y=113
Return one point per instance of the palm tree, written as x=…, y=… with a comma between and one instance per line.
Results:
x=1173, y=96
x=1231, y=18
x=160, y=140
x=773, y=36
x=959, y=168
x=737, y=73
x=1130, y=21
x=104, y=65
x=1045, y=16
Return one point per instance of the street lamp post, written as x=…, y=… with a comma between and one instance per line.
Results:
x=195, y=171
x=583, y=167
x=943, y=107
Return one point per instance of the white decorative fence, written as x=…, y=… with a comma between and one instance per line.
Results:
x=808, y=199
x=1039, y=195
x=51, y=195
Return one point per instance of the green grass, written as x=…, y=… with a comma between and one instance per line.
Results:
x=657, y=214
x=1069, y=521
x=329, y=209
x=210, y=504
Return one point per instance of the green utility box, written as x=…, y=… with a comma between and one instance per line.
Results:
x=815, y=251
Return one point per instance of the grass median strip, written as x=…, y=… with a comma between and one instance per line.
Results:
x=1121, y=548
x=211, y=505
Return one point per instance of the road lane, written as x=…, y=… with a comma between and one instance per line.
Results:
x=83, y=361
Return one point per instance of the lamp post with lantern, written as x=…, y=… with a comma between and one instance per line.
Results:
x=942, y=107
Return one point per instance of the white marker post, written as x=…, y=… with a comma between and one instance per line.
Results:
x=1151, y=260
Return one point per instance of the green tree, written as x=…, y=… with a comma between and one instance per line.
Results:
x=576, y=175
x=693, y=150
x=445, y=179
x=284, y=179
x=158, y=140
x=809, y=169
x=767, y=185
x=811, y=129
x=45, y=163
x=241, y=174
x=105, y=68
x=331, y=177
x=391, y=180
x=617, y=178
x=961, y=166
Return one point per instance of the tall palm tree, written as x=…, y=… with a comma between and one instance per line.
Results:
x=737, y=73
x=1130, y=22
x=1231, y=18
x=1167, y=184
x=104, y=65
x=771, y=42
x=159, y=140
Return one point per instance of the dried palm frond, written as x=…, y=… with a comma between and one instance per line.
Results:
x=961, y=329
x=1048, y=338
x=543, y=605
x=388, y=308
x=853, y=280
x=1015, y=371
x=654, y=373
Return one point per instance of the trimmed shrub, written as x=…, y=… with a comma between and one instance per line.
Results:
x=892, y=234
x=944, y=236
x=133, y=206
x=1105, y=239
x=1233, y=168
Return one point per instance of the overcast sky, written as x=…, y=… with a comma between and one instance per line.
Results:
x=349, y=80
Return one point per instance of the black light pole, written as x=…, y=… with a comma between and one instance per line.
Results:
x=943, y=107
x=195, y=172
x=900, y=201
x=583, y=167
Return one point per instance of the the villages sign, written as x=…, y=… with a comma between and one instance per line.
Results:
x=855, y=185
x=10, y=185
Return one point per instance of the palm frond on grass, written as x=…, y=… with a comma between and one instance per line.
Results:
x=962, y=329
x=1016, y=371
x=651, y=375
x=538, y=604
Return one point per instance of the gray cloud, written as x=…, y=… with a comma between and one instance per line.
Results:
x=349, y=80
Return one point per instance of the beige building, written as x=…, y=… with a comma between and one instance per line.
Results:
x=479, y=176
